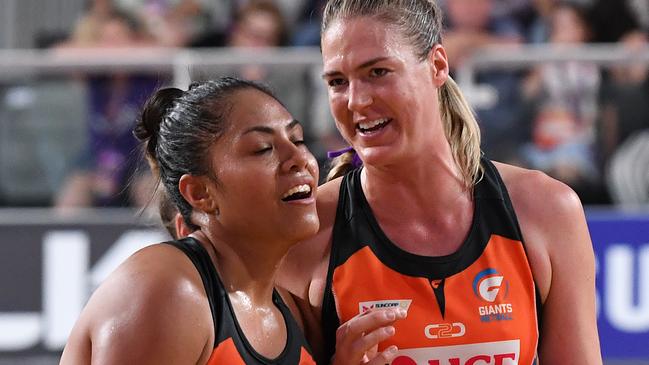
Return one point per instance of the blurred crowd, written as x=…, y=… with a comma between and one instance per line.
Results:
x=583, y=124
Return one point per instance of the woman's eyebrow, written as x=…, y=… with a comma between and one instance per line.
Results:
x=268, y=130
x=359, y=67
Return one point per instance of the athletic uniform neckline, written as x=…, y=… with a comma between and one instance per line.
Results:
x=451, y=292
x=385, y=242
x=281, y=357
x=278, y=304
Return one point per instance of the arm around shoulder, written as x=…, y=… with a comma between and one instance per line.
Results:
x=144, y=313
x=554, y=228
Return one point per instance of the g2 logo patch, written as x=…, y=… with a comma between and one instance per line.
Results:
x=445, y=330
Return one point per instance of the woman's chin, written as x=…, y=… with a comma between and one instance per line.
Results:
x=306, y=228
x=378, y=155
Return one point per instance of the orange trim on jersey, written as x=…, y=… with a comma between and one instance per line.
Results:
x=306, y=358
x=490, y=302
x=226, y=353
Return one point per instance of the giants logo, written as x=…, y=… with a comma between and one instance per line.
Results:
x=487, y=285
x=445, y=330
x=488, y=353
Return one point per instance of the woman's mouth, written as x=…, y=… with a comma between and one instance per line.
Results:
x=372, y=126
x=298, y=192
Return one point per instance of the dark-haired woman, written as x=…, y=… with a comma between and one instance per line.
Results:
x=232, y=159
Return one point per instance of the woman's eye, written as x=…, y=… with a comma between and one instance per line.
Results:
x=263, y=150
x=298, y=142
x=378, y=72
x=336, y=82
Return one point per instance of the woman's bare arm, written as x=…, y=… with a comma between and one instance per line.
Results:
x=561, y=254
x=151, y=310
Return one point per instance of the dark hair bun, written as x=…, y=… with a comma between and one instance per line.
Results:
x=148, y=126
x=154, y=111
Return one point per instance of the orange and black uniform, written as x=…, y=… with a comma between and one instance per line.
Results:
x=477, y=306
x=230, y=344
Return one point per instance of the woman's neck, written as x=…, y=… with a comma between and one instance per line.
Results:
x=432, y=179
x=247, y=270
x=244, y=268
x=423, y=206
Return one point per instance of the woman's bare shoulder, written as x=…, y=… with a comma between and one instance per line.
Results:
x=150, y=304
x=328, y=194
x=553, y=225
x=551, y=218
x=533, y=193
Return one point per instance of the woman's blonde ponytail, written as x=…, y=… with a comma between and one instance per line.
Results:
x=462, y=131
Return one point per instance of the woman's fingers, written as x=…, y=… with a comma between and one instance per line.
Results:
x=365, y=343
x=357, y=339
x=384, y=357
x=369, y=321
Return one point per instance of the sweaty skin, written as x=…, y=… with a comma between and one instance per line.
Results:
x=154, y=308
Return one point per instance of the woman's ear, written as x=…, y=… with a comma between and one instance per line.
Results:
x=199, y=192
x=438, y=64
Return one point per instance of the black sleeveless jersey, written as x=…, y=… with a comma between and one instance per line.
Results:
x=230, y=344
x=478, y=305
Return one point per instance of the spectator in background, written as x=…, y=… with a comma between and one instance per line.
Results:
x=89, y=27
x=292, y=10
x=172, y=23
x=259, y=25
x=611, y=20
x=471, y=24
x=641, y=10
x=561, y=100
x=307, y=30
x=539, y=28
x=254, y=24
x=522, y=11
x=624, y=128
x=628, y=171
x=625, y=98
x=107, y=164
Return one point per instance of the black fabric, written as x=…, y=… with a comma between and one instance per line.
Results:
x=514, y=221
x=356, y=227
x=438, y=289
x=225, y=322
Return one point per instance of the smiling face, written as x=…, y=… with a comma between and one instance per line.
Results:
x=266, y=176
x=383, y=98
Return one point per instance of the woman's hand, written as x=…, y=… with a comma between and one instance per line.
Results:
x=357, y=339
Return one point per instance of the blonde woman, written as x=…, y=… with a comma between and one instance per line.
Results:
x=433, y=252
